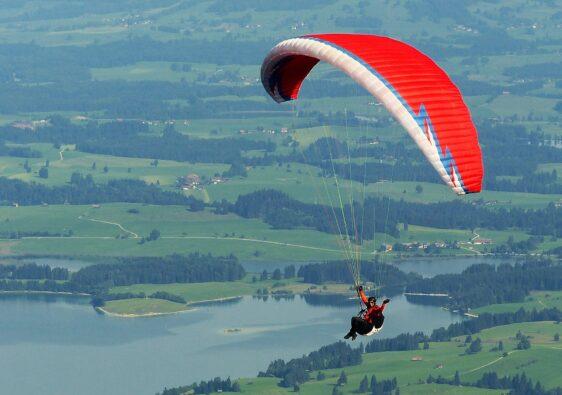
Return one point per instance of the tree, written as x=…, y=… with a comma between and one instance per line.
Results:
x=475, y=346
x=457, y=379
x=373, y=383
x=556, y=337
x=154, y=235
x=44, y=172
x=94, y=166
x=47, y=163
x=419, y=188
x=336, y=390
x=105, y=169
x=364, y=385
x=289, y=271
x=276, y=274
x=426, y=345
x=296, y=388
x=524, y=343
x=320, y=376
x=500, y=345
x=264, y=275
x=342, y=379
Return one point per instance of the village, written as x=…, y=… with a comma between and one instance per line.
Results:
x=193, y=181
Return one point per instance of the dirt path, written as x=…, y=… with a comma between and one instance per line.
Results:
x=254, y=241
x=135, y=236
x=489, y=363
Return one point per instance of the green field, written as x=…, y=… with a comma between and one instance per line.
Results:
x=112, y=230
x=537, y=300
x=142, y=307
x=538, y=362
x=67, y=160
x=199, y=292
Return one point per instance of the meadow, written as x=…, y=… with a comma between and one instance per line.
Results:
x=444, y=359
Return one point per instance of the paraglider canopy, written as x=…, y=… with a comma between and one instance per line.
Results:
x=408, y=83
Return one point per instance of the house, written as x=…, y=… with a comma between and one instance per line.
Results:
x=217, y=180
x=481, y=241
x=23, y=125
x=417, y=358
x=193, y=179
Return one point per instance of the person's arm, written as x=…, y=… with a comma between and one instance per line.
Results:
x=383, y=305
x=362, y=294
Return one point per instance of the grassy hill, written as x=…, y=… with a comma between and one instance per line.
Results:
x=444, y=359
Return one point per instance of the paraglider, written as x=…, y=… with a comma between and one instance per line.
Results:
x=370, y=320
x=408, y=83
x=413, y=89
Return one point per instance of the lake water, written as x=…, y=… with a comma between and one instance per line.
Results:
x=58, y=345
x=432, y=267
x=427, y=267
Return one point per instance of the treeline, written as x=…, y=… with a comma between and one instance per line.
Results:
x=205, y=387
x=39, y=286
x=402, y=342
x=20, y=152
x=483, y=284
x=297, y=371
x=283, y=212
x=97, y=279
x=83, y=190
x=487, y=320
x=337, y=271
x=131, y=139
x=176, y=146
x=518, y=384
x=151, y=270
x=517, y=247
x=33, y=271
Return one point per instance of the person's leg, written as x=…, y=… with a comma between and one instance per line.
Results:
x=364, y=327
x=355, y=324
x=379, y=321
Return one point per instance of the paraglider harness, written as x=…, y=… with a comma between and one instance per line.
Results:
x=373, y=331
x=361, y=315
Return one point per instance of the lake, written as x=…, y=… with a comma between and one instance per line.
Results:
x=58, y=345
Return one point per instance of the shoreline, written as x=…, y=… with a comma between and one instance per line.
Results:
x=144, y=315
x=23, y=292
x=425, y=294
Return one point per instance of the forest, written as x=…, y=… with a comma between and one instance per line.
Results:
x=154, y=270
x=297, y=370
x=484, y=284
x=83, y=190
